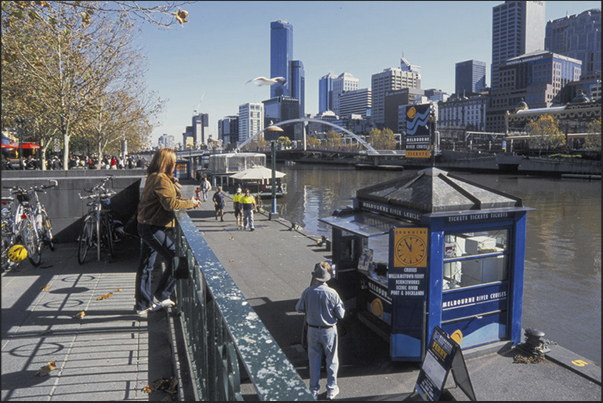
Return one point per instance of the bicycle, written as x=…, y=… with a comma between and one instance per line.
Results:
x=31, y=223
x=98, y=229
x=8, y=233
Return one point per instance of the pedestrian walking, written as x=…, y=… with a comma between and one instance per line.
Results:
x=238, y=209
x=323, y=307
x=160, y=197
x=205, y=187
x=248, y=205
x=219, y=203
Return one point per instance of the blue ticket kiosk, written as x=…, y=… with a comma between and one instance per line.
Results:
x=432, y=250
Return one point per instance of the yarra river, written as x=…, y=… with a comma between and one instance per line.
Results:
x=562, y=288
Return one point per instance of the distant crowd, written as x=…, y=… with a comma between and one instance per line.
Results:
x=77, y=162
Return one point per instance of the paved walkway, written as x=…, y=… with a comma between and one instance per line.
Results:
x=112, y=354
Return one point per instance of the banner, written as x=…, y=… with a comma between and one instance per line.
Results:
x=417, y=131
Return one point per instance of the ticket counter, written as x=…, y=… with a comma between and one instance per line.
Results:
x=432, y=250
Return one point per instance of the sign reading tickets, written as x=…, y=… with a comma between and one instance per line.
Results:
x=406, y=276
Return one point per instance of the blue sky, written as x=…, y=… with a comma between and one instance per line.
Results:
x=226, y=43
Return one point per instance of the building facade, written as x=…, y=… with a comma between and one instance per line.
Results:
x=577, y=36
x=325, y=93
x=281, y=54
x=470, y=77
x=343, y=82
x=460, y=114
x=297, y=85
x=390, y=79
x=397, y=98
x=535, y=78
x=251, y=120
x=166, y=141
x=228, y=131
x=518, y=27
x=356, y=102
x=200, y=130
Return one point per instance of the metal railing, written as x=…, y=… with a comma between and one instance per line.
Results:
x=221, y=329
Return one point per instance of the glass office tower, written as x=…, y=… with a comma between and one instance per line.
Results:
x=281, y=53
x=297, y=84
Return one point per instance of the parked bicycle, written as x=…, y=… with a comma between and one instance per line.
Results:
x=31, y=224
x=8, y=233
x=99, y=230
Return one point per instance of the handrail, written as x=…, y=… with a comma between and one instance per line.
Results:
x=221, y=329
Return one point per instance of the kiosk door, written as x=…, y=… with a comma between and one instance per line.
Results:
x=475, y=287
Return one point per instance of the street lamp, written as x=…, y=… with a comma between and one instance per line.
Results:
x=273, y=214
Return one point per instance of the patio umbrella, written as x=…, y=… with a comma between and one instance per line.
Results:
x=257, y=173
x=5, y=145
x=30, y=145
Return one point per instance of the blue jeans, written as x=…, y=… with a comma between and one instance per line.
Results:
x=248, y=218
x=155, y=241
x=319, y=340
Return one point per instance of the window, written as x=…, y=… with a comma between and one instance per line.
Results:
x=475, y=258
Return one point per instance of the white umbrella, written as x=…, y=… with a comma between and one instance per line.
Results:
x=257, y=173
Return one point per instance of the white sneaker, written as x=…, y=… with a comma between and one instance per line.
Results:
x=143, y=312
x=332, y=393
x=315, y=394
x=166, y=303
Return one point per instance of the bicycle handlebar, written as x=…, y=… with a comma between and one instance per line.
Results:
x=100, y=185
x=109, y=193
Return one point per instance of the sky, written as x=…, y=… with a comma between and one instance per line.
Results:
x=204, y=65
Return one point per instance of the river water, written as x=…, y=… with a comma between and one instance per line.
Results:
x=562, y=284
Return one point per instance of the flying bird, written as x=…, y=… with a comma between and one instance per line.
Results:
x=267, y=81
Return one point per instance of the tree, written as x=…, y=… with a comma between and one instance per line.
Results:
x=333, y=139
x=593, y=141
x=284, y=142
x=545, y=134
x=312, y=142
x=382, y=140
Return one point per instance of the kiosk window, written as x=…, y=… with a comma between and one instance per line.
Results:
x=474, y=258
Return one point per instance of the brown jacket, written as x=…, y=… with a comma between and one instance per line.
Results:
x=159, y=200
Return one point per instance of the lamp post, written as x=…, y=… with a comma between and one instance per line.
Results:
x=273, y=214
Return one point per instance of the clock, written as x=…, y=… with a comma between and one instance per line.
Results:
x=411, y=249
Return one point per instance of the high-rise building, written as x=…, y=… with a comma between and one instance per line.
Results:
x=166, y=141
x=535, y=79
x=390, y=80
x=251, y=120
x=281, y=53
x=325, y=93
x=518, y=28
x=343, y=82
x=470, y=77
x=297, y=85
x=199, y=130
x=228, y=130
x=577, y=36
x=355, y=102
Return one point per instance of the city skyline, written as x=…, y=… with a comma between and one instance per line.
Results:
x=204, y=65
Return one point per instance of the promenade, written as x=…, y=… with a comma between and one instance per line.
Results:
x=112, y=354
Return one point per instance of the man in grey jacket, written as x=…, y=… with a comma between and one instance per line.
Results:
x=322, y=307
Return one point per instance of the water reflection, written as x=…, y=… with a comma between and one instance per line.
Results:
x=562, y=294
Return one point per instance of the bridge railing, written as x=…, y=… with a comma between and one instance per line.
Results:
x=221, y=329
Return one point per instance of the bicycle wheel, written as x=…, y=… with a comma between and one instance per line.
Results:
x=48, y=236
x=29, y=234
x=86, y=239
x=107, y=235
x=7, y=242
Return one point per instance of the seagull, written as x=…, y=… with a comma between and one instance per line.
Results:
x=267, y=81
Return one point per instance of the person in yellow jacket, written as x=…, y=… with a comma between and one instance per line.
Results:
x=248, y=205
x=238, y=209
x=160, y=197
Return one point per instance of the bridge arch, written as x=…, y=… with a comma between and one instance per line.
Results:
x=305, y=119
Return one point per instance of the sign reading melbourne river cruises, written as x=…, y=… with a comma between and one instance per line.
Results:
x=408, y=263
x=417, y=131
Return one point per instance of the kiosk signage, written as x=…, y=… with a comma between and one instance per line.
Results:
x=406, y=277
x=443, y=355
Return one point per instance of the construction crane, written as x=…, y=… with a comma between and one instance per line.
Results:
x=199, y=105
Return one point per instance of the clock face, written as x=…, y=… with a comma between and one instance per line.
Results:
x=411, y=251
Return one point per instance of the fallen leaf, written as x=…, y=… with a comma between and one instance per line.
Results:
x=231, y=260
x=45, y=288
x=47, y=331
x=118, y=290
x=104, y=296
x=168, y=385
x=45, y=370
x=80, y=315
x=231, y=238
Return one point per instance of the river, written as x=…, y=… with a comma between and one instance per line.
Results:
x=562, y=287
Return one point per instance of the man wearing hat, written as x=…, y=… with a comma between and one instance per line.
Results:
x=322, y=307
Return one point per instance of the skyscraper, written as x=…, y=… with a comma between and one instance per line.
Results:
x=577, y=36
x=281, y=53
x=344, y=82
x=518, y=28
x=297, y=85
x=325, y=93
x=470, y=77
x=251, y=120
x=389, y=80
